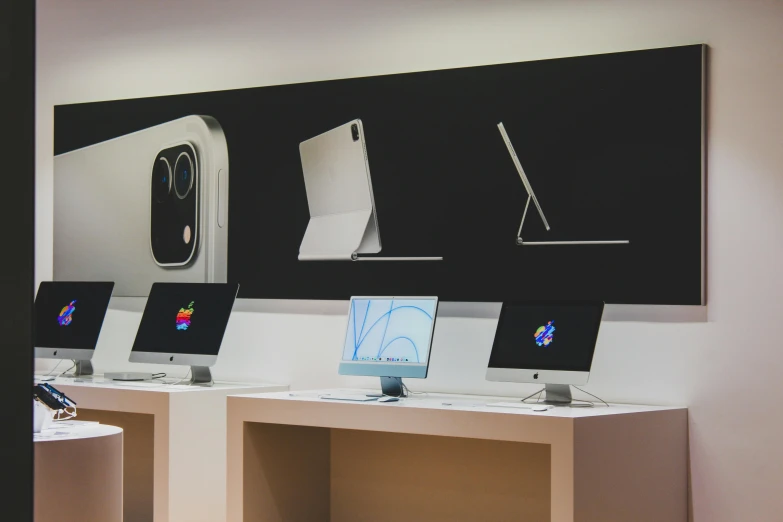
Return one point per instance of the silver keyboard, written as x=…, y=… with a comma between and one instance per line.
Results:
x=519, y=405
x=354, y=397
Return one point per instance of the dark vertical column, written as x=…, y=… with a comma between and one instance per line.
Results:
x=17, y=201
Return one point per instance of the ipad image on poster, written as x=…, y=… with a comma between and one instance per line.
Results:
x=337, y=180
x=144, y=207
x=343, y=222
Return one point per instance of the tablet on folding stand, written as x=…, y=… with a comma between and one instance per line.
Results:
x=532, y=195
x=343, y=222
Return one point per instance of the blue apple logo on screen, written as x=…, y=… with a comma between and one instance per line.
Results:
x=544, y=334
x=66, y=314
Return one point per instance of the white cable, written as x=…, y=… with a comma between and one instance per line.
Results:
x=69, y=369
x=163, y=383
x=55, y=367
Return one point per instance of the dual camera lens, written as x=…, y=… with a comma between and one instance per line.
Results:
x=161, y=180
x=181, y=178
x=174, y=208
x=355, y=132
x=183, y=175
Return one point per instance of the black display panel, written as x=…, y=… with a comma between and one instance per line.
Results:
x=546, y=336
x=185, y=318
x=611, y=144
x=70, y=314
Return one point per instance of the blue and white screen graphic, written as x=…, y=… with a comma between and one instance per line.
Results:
x=390, y=330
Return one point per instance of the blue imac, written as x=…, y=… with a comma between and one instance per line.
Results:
x=389, y=337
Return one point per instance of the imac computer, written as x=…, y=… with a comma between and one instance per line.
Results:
x=390, y=338
x=551, y=343
x=68, y=320
x=183, y=323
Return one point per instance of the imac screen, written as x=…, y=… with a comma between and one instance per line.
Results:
x=551, y=336
x=390, y=330
x=185, y=318
x=70, y=314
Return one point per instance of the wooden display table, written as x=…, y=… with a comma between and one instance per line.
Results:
x=296, y=457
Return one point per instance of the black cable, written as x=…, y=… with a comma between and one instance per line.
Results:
x=539, y=392
x=591, y=395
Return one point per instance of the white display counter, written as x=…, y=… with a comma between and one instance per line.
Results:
x=175, y=443
x=294, y=456
x=78, y=473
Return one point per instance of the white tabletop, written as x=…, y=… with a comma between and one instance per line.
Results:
x=452, y=402
x=73, y=430
x=168, y=385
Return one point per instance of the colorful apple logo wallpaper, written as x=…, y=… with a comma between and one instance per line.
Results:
x=66, y=314
x=183, y=317
x=544, y=334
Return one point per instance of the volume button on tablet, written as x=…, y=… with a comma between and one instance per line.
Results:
x=222, y=194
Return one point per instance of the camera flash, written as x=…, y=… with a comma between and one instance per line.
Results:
x=186, y=234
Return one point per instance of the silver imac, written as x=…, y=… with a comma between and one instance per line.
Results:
x=532, y=196
x=68, y=320
x=343, y=221
x=183, y=324
x=546, y=342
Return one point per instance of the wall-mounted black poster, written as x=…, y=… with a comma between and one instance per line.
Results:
x=569, y=178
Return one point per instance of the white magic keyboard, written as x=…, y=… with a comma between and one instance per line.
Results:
x=519, y=405
x=355, y=397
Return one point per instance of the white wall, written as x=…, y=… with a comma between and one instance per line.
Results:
x=725, y=369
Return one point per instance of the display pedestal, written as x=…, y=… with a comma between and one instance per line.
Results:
x=78, y=473
x=174, y=447
x=448, y=457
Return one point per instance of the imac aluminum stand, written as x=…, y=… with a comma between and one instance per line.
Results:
x=557, y=394
x=201, y=376
x=390, y=387
x=82, y=368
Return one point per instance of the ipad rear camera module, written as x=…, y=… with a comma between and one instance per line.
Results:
x=174, y=206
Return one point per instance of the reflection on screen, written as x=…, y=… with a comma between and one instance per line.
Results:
x=389, y=330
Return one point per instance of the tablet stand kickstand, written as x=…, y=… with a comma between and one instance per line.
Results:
x=520, y=242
